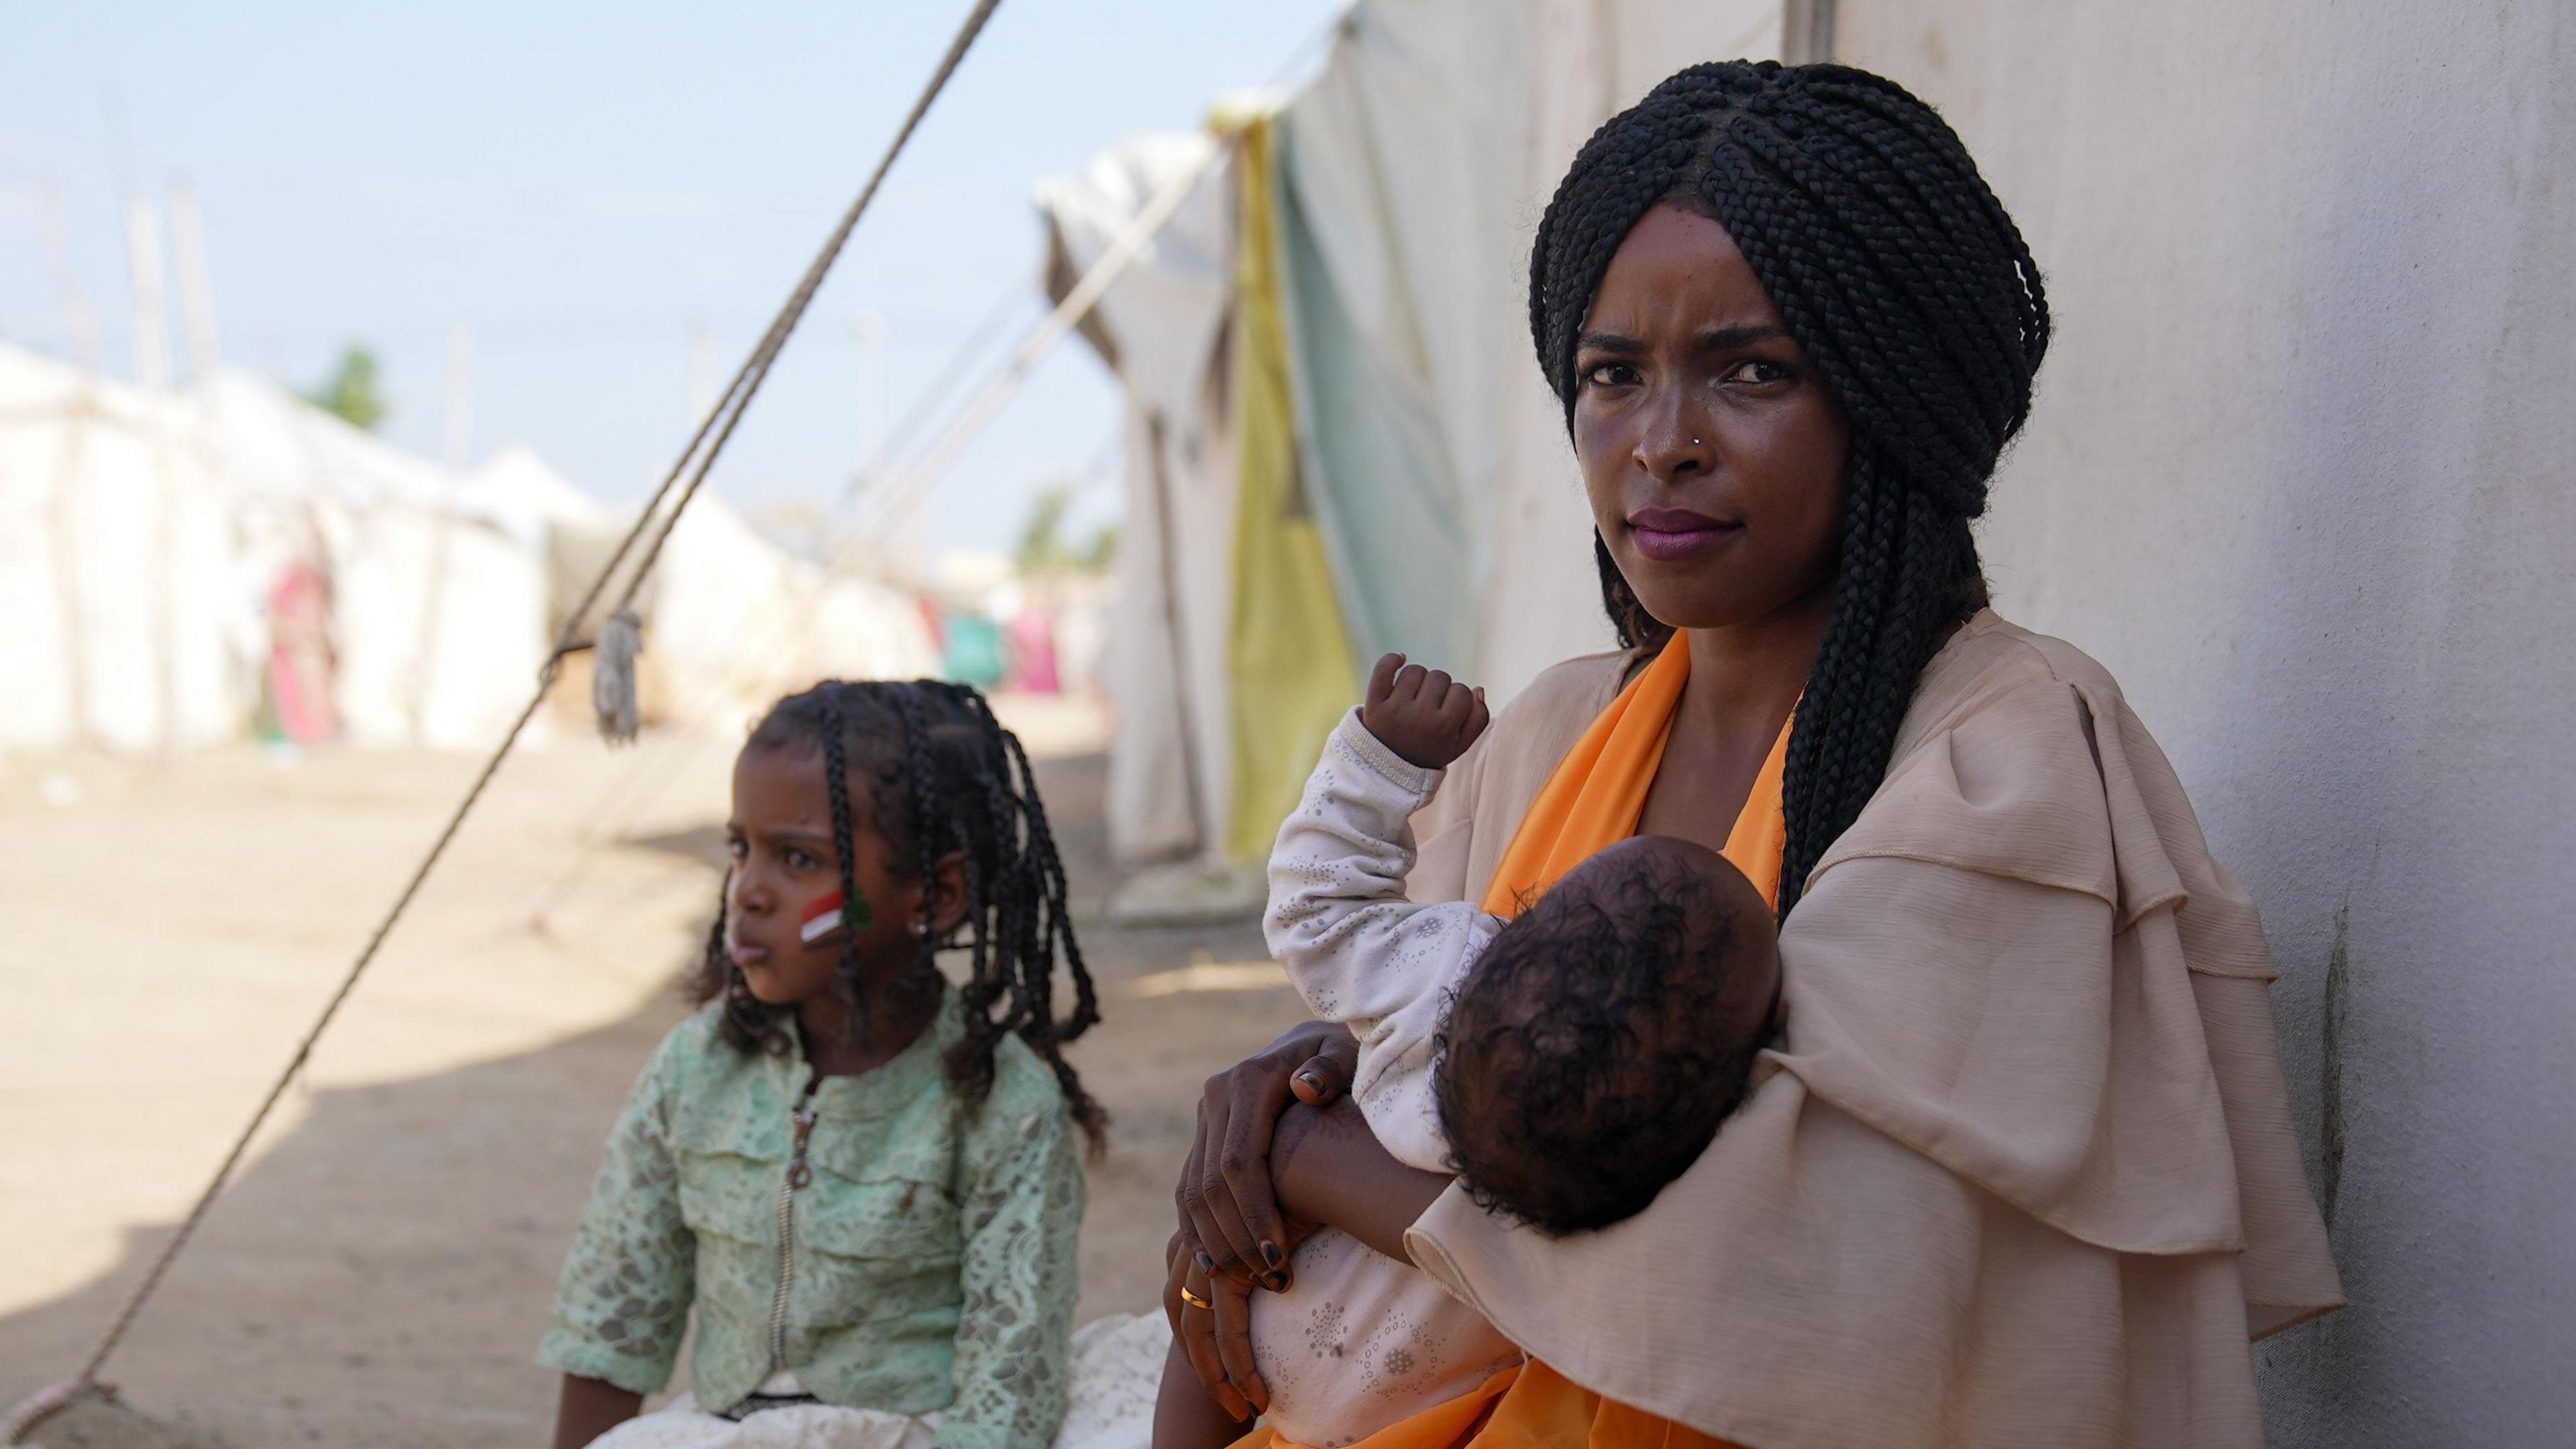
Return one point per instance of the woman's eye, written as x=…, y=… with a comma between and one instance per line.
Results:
x=801, y=859
x=1610, y=374
x=1757, y=371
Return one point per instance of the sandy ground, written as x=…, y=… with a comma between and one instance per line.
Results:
x=379, y=1273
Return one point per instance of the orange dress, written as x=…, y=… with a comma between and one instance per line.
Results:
x=1592, y=801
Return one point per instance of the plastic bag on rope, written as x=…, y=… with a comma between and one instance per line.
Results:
x=612, y=678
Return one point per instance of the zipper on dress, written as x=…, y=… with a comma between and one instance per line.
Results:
x=798, y=1174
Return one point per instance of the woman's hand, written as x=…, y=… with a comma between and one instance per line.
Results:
x=1212, y=1326
x=1228, y=1212
x=1329, y=1169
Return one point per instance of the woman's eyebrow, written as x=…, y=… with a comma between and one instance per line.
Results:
x=1610, y=342
x=1714, y=339
x=1718, y=339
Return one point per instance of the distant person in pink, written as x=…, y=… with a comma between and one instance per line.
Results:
x=1033, y=659
x=300, y=658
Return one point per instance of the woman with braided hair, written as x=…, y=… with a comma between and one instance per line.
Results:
x=865, y=1179
x=2019, y=1167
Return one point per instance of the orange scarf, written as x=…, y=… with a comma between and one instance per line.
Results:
x=1599, y=789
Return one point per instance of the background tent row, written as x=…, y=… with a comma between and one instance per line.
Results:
x=186, y=568
x=1337, y=442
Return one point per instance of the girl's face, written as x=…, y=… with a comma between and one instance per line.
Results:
x=1711, y=450
x=784, y=862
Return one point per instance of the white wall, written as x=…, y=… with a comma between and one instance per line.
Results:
x=2300, y=474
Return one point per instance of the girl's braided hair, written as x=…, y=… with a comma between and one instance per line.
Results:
x=1899, y=273
x=942, y=776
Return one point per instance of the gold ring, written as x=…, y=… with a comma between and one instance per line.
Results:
x=1192, y=1299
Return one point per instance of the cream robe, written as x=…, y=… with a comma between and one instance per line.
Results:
x=2022, y=1171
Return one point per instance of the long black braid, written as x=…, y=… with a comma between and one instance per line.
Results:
x=836, y=789
x=1912, y=292
x=942, y=777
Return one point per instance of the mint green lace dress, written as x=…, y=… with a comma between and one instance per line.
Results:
x=925, y=1265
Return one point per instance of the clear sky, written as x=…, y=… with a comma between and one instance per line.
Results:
x=580, y=185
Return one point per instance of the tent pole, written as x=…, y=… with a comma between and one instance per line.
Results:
x=152, y=370
x=459, y=429
x=67, y=579
x=1806, y=31
x=79, y=318
x=83, y=325
x=196, y=288
x=1202, y=831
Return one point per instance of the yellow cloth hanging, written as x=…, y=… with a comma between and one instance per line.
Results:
x=1293, y=675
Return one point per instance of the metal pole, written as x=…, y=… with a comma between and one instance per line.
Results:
x=196, y=290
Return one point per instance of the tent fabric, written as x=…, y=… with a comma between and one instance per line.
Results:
x=127, y=618
x=1164, y=320
x=1392, y=193
x=1294, y=677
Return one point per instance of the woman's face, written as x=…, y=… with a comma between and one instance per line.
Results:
x=1710, y=447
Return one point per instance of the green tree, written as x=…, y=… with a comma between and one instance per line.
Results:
x=350, y=393
x=1042, y=547
x=1045, y=550
x=1102, y=551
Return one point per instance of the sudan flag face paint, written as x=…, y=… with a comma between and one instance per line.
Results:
x=828, y=914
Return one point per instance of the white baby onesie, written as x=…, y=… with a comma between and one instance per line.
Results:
x=1361, y=1341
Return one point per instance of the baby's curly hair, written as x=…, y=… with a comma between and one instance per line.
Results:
x=1591, y=1053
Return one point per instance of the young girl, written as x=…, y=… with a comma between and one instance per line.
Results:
x=864, y=1179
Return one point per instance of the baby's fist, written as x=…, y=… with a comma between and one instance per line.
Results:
x=1422, y=714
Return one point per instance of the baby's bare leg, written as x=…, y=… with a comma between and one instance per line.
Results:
x=1186, y=1415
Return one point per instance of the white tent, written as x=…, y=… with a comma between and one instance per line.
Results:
x=128, y=612
x=439, y=604
x=1161, y=326
x=141, y=533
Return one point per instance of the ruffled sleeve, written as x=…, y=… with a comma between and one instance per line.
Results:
x=623, y=1302
x=2021, y=1170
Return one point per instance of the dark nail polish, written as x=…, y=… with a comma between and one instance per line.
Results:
x=1275, y=1282
x=1206, y=1263
x=1271, y=1255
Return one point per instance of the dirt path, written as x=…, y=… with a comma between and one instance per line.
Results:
x=380, y=1272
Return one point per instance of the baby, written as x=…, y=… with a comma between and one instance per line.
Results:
x=1565, y=1064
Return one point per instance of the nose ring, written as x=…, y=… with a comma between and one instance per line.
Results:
x=1694, y=442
